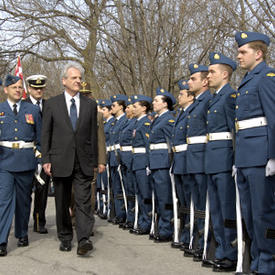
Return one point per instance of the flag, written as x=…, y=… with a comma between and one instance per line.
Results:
x=19, y=72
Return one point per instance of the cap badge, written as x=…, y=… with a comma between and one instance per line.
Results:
x=162, y=90
x=38, y=81
x=196, y=66
x=135, y=97
x=243, y=35
x=216, y=56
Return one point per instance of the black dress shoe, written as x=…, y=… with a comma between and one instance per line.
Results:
x=197, y=256
x=176, y=245
x=40, y=229
x=161, y=239
x=207, y=263
x=184, y=246
x=128, y=226
x=65, y=246
x=189, y=252
x=132, y=231
x=225, y=265
x=23, y=241
x=151, y=236
x=3, y=250
x=141, y=232
x=84, y=247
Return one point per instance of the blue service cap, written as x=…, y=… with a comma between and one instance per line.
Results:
x=98, y=101
x=129, y=101
x=183, y=85
x=219, y=58
x=11, y=79
x=246, y=37
x=196, y=68
x=115, y=98
x=161, y=91
x=106, y=103
x=137, y=98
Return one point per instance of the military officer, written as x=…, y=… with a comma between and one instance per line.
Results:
x=109, y=122
x=196, y=140
x=125, y=141
x=20, y=127
x=160, y=162
x=221, y=186
x=179, y=146
x=255, y=147
x=118, y=109
x=36, y=87
x=140, y=143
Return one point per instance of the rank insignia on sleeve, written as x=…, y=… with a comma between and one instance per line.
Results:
x=233, y=95
x=147, y=135
x=147, y=123
x=29, y=118
x=171, y=120
x=270, y=74
x=2, y=114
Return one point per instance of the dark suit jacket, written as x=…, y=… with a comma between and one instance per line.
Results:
x=60, y=144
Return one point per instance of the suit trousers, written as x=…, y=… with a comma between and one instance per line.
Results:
x=40, y=200
x=15, y=197
x=83, y=209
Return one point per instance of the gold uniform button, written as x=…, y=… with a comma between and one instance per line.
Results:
x=236, y=119
x=206, y=122
x=16, y=138
x=16, y=121
x=238, y=94
x=189, y=116
x=215, y=111
x=208, y=112
x=2, y=121
x=187, y=126
x=237, y=107
x=15, y=129
x=246, y=92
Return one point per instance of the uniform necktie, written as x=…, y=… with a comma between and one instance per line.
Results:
x=38, y=104
x=15, y=108
x=73, y=113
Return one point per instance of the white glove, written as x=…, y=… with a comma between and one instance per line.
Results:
x=234, y=170
x=39, y=169
x=148, y=171
x=270, y=168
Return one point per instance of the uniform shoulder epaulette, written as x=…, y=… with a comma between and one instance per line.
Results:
x=171, y=120
x=233, y=95
x=270, y=74
x=147, y=123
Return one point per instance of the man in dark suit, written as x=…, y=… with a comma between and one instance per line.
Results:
x=69, y=155
x=36, y=86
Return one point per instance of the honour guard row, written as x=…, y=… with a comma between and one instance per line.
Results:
x=201, y=178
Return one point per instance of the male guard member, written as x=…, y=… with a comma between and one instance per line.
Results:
x=196, y=140
x=255, y=148
x=36, y=86
x=69, y=155
x=20, y=126
x=219, y=160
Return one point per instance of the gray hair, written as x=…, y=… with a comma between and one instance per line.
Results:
x=69, y=66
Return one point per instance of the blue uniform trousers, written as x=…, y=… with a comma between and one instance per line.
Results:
x=183, y=195
x=15, y=197
x=161, y=183
x=144, y=192
x=120, y=213
x=128, y=181
x=257, y=195
x=222, y=197
x=198, y=193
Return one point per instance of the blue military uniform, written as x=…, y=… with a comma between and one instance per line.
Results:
x=179, y=147
x=159, y=163
x=19, y=133
x=219, y=162
x=255, y=146
x=125, y=141
x=196, y=140
x=120, y=214
x=140, y=145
